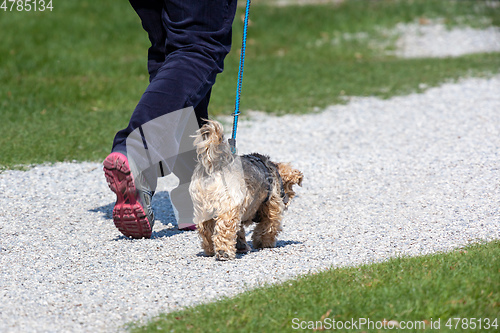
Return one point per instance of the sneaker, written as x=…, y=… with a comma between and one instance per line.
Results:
x=132, y=214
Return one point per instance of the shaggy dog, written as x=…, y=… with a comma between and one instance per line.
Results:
x=230, y=192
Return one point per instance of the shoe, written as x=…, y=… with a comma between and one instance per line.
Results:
x=132, y=214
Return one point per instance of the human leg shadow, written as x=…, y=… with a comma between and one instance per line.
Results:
x=165, y=222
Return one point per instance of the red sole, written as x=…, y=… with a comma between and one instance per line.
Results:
x=128, y=213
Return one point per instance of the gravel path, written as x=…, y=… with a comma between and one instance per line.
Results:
x=431, y=38
x=410, y=175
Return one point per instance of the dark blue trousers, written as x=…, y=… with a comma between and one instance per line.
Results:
x=189, y=41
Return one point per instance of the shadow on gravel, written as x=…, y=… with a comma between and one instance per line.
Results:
x=164, y=214
x=283, y=243
x=167, y=233
x=162, y=206
x=279, y=244
x=106, y=210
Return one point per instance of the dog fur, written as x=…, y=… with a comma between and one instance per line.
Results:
x=230, y=192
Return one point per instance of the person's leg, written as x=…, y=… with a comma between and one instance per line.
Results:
x=150, y=13
x=183, y=169
x=216, y=29
x=201, y=110
x=132, y=213
x=198, y=37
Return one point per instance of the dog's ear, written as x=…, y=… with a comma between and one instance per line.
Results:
x=290, y=175
x=212, y=132
x=210, y=146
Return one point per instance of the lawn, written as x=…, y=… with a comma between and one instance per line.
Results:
x=410, y=292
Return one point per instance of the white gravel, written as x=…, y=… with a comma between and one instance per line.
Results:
x=423, y=38
x=410, y=175
x=431, y=38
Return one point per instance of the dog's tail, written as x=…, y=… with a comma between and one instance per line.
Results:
x=213, y=151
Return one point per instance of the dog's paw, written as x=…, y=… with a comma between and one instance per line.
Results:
x=209, y=253
x=259, y=244
x=242, y=247
x=223, y=255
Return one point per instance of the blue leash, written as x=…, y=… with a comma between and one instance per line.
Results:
x=232, y=141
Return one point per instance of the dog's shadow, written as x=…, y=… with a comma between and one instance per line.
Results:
x=164, y=214
x=279, y=244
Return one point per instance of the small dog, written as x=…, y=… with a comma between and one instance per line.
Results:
x=230, y=192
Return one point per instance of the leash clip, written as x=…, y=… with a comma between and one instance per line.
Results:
x=232, y=144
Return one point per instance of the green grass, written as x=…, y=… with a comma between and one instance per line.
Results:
x=70, y=78
x=301, y=74
x=461, y=284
